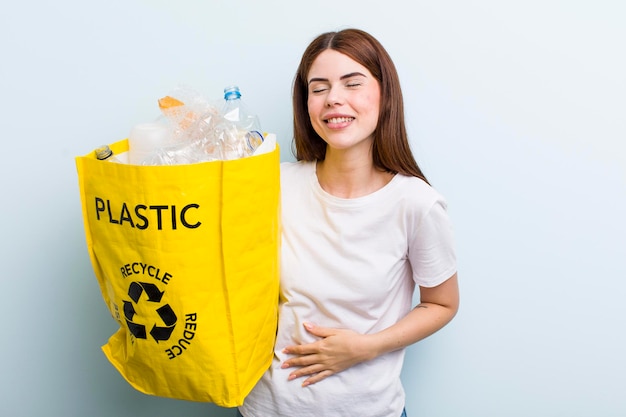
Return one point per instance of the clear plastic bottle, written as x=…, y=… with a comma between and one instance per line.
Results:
x=236, y=110
x=145, y=139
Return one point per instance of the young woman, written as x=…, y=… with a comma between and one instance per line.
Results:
x=361, y=227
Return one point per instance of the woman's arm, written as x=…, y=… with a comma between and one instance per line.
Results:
x=339, y=349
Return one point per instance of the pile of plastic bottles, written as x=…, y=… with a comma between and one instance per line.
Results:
x=191, y=129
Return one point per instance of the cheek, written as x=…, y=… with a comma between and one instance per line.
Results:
x=313, y=105
x=372, y=100
x=371, y=104
x=314, y=108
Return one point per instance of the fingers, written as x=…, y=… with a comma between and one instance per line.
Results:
x=305, y=371
x=307, y=360
x=308, y=349
x=316, y=371
x=318, y=330
x=307, y=366
x=316, y=378
x=313, y=359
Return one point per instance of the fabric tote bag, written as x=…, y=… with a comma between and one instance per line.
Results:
x=186, y=257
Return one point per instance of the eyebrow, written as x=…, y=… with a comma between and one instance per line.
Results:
x=343, y=77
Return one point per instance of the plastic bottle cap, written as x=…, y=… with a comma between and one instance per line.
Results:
x=232, y=92
x=103, y=152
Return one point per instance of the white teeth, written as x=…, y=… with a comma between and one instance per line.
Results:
x=340, y=119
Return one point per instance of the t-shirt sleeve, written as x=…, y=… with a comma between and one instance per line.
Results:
x=432, y=247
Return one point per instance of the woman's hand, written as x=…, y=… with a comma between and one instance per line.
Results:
x=337, y=350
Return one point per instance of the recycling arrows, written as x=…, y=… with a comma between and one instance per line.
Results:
x=165, y=312
x=136, y=288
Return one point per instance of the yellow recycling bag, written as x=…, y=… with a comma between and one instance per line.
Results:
x=187, y=261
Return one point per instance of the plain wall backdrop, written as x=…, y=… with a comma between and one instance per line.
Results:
x=516, y=112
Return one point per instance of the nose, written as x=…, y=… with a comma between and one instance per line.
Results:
x=334, y=97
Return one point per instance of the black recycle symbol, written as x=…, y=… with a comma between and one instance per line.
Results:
x=165, y=312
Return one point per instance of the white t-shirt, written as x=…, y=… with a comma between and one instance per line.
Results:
x=353, y=264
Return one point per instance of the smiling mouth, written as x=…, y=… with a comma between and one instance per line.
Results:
x=334, y=120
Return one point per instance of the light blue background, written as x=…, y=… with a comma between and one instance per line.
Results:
x=516, y=113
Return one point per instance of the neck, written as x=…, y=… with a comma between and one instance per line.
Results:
x=350, y=178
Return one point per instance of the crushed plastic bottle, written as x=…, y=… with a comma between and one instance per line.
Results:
x=250, y=135
x=201, y=141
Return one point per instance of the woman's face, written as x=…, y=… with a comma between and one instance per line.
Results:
x=343, y=101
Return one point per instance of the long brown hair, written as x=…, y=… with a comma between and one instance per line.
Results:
x=391, y=151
